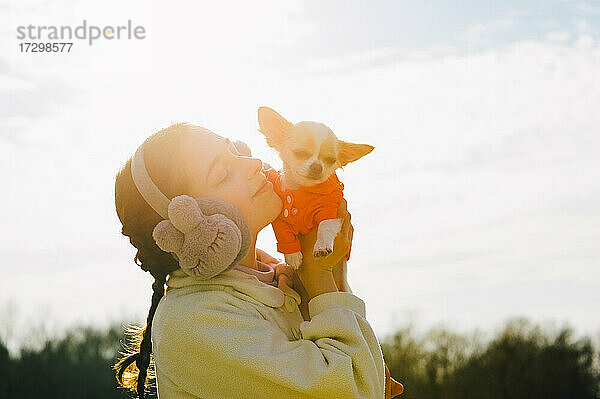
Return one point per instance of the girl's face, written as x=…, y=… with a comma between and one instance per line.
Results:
x=216, y=169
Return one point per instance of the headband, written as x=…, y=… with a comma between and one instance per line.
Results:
x=153, y=196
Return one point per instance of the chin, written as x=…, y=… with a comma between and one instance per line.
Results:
x=275, y=205
x=264, y=211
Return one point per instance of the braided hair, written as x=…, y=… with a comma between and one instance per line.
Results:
x=138, y=354
x=135, y=369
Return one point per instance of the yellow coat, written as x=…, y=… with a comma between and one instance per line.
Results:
x=232, y=337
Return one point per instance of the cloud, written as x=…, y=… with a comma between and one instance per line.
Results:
x=480, y=158
x=482, y=33
x=587, y=8
x=24, y=98
x=558, y=36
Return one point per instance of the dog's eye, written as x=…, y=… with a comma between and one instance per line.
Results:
x=330, y=160
x=301, y=154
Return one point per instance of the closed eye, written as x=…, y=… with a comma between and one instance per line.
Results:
x=330, y=160
x=224, y=178
x=234, y=151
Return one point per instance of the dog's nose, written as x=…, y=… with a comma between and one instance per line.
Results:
x=315, y=169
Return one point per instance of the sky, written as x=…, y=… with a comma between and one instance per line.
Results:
x=480, y=202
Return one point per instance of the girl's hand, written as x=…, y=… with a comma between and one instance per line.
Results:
x=288, y=282
x=320, y=275
x=393, y=388
x=266, y=258
x=341, y=245
x=316, y=276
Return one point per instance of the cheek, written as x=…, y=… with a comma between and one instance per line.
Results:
x=238, y=196
x=302, y=166
x=258, y=211
x=267, y=209
x=242, y=200
x=328, y=169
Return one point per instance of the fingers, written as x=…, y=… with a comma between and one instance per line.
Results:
x=388, y=387
x=346, y=230
x=265, y=257
x=342, y=208
x=307, y=243
x=285, y=284
x=396, y=387
x=340, y=276
x=393, y=388
x=350, y=233
x=284, y=270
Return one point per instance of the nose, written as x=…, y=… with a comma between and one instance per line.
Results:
x=253, y=165
x=315, y=169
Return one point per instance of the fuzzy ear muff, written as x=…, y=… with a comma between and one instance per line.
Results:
x=211, y=206
x=350, y=152
x=167, y=237
x=274, y=126
x=207, y=235
x=211, y=248
x=184, y=213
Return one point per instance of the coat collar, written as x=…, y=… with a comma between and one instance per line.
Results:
x=236, y=279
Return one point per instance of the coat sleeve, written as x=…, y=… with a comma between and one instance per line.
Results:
x=229, y=352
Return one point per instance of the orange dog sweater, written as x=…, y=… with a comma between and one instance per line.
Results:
x=303, y=209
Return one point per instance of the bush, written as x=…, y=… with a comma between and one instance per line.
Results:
x=521, y=362
x=76, y=366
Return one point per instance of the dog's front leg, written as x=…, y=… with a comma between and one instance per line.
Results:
x=328, y=230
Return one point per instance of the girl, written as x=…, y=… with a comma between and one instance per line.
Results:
x=241, y=333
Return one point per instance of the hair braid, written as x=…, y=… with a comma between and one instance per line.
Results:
x=141, y=355
x=143, y=361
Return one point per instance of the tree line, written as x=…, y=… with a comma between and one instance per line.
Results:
x=522, y=361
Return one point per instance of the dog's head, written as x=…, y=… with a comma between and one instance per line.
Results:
x=309, y=150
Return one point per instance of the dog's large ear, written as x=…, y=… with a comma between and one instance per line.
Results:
x=274, y=126
x=350, y=152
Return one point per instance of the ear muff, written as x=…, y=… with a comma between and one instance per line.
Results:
x=206, y=235
x=211, y=206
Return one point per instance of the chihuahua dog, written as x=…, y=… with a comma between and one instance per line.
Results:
x=307, y=183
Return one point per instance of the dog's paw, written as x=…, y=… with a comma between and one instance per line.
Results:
x=322, y=250
x=294, y=259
